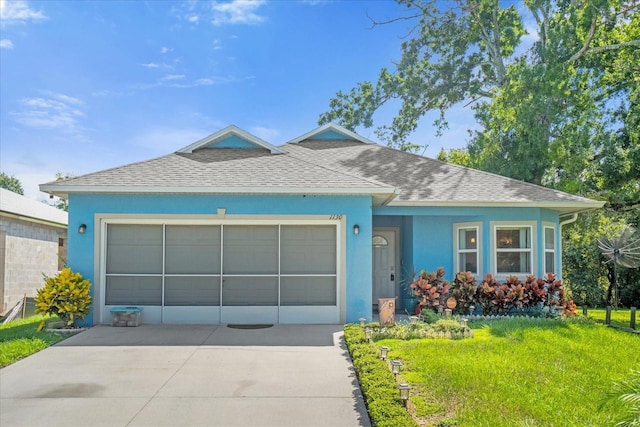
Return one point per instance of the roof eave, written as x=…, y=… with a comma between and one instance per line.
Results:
x=565, y=207
x=59, y=190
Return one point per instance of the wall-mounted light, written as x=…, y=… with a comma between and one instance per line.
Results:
x=82, y=228
x=356, y=229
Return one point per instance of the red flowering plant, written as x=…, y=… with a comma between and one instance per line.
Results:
x=487, y=294
x=430, y=289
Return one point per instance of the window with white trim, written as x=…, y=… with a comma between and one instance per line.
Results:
x=549, y=249
x=467, y=247
x=513, y=248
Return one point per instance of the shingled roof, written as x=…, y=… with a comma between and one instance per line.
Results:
x=329, y=160
x=21, y=207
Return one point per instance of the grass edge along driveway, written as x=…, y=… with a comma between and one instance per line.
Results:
x=20, y=338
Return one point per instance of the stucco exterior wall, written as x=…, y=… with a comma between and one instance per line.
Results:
x=27, y=251
x=84, y=208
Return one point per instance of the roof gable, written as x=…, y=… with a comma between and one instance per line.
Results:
x=331, y=131
x=231, y=137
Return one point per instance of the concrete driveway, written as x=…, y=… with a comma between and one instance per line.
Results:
x=162, y=375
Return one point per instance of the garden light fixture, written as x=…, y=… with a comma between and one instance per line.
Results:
x=383, y=352
x=82, y=229
x=367, y=333
x=395, y=366
x=413, y=319
x=404, y=392
x=362, y=320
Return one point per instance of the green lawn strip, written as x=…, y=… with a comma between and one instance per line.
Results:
x=619, y=317
x=527, y=372
x=20, y=338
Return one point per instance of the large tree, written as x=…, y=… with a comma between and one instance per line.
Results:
x=11, y=183
x=559, y=108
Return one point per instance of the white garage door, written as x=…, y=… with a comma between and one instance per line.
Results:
x=274, y=273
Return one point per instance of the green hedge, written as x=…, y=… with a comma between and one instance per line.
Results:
x=377, y=382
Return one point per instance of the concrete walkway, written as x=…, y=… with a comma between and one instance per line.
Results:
x=162, y=375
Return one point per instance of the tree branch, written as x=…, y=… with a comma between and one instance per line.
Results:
x=585, y=46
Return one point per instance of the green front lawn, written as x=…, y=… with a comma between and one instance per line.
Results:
x=619, y=317
x=20, y=338
x=526, y=372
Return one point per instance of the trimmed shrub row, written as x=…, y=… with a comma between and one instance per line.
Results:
x=377, y=382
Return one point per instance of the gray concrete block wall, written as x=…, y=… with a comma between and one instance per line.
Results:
x=30, y=250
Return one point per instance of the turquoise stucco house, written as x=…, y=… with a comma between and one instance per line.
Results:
x=232, y=229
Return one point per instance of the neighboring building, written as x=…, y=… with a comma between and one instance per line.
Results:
x=232, y=229
x=33, y=242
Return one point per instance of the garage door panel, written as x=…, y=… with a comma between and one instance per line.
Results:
x=250, y=250
x=250, y=291
x=307, y=291
x=134, y=249
x=130, y=290
x=308, y=249
x=192, y=291
x=192, y=249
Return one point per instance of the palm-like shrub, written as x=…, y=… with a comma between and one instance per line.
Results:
x=627, y=391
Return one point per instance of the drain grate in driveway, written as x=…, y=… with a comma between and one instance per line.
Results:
x=249, y=326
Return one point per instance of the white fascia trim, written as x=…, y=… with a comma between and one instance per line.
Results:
x=215, y=190
x=34, y=219
x=230, y=131
x=334, y=127
x=569, y=206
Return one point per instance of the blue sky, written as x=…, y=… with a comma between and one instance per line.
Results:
x=89, y=85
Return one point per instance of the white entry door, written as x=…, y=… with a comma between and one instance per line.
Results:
x=385, y=277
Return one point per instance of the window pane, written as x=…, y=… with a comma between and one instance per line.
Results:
x=192, y=290
x=513, y=237
x=549, y=261
x=308, y=249
x=468, y=262
x=549, y=238
x=308, y=291
x=513, y=262
x=250, y=291
x=134, y=249
x=250, y=249
x=133, y=290
x=467, y=238
x=192, y=249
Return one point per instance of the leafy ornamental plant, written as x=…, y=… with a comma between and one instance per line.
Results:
x=65, y=295
x=430, y=289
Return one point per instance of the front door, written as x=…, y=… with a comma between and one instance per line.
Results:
x=385, y=276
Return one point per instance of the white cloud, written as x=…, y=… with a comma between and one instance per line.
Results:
x=6, y=44
x=165, y=49
x=173, y=77
x=18, y=12
x=268, y=134
x=151, y=65
x=217, y=44
x=193, y=18
x=56, y=111
x=237, y=12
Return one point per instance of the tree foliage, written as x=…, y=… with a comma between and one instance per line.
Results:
x=11, y=183
x=560, y=107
